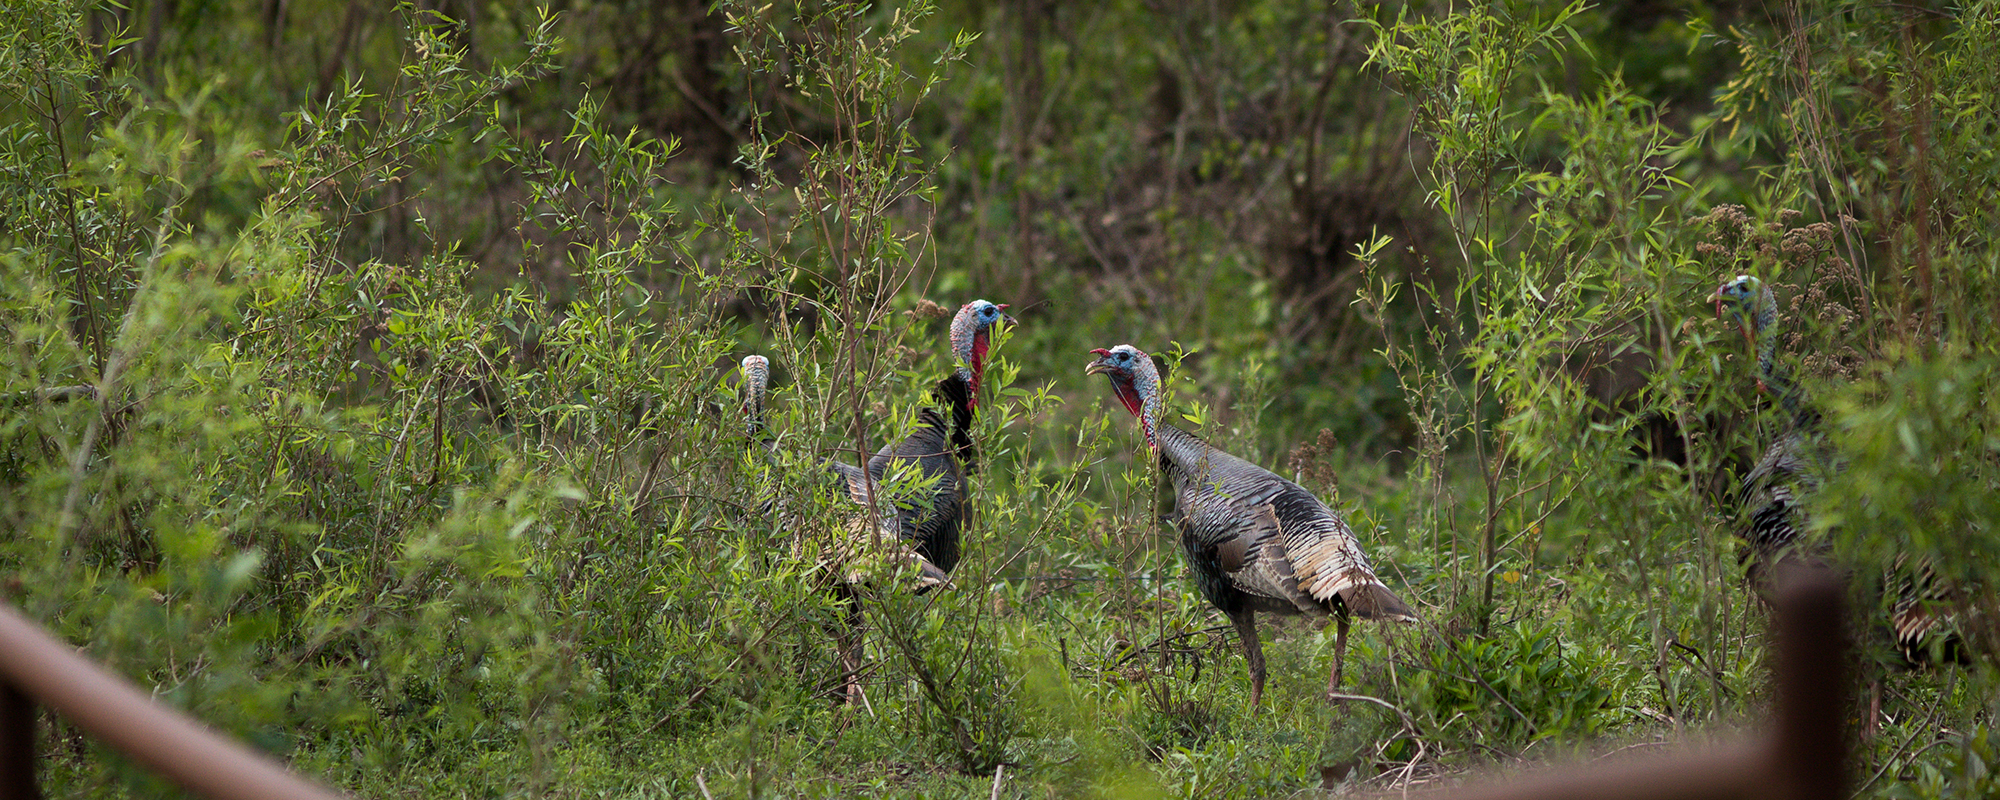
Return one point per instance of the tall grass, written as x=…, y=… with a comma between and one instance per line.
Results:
x=411, y=451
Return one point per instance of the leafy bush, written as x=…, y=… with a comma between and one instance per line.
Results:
x=370, y=389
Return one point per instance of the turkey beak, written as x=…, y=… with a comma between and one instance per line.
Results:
x=1008, y=317
x=1100, y=365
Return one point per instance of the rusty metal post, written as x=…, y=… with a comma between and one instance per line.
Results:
x=17, y=744
x=1730, y=772
x=1805, y=756
x=125, y=717
x=1809, y=747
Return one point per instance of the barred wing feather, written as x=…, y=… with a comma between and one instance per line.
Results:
x=1286, y=544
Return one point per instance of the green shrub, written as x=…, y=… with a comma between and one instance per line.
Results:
x=367, y=380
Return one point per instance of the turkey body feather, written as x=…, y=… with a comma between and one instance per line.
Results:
x=1259, y=542
x=928, y=459
x=1772, y=489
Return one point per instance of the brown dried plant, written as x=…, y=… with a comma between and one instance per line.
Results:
x=1815, y=312
x=1312, y=464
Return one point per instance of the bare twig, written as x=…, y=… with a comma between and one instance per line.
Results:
x=1930, y=724
x=112, y=369
x=1637, y=746
x=1163, y=642
x=53, y=394
x=1407, y=724
x=1532, y=727
x=93, y=317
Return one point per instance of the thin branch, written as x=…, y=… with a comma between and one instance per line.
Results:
x=53, y=394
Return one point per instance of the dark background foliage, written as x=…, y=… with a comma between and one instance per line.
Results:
x=413, y=459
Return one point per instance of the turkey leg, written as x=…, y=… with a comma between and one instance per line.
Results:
x=850, y=643
x=1339, y=653
x=1253, y=651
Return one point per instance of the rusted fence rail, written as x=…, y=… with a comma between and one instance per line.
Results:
x=36, y=668
x=1802, y=757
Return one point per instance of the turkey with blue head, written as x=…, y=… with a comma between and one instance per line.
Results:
x=938, y=453
x=1254, y=541
x=1786, y=468
x=919, y=531
x=1792, y=467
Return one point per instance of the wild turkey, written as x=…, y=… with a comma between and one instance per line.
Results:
x=940, y=451
x=921, y=529
x=756, y=392
x=920, y=532
x=1791, y=467
x=1253, y=540
x=858, y=545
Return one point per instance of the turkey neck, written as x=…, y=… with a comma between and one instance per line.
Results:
x=756, y=388
x=1178, y=449
x=753, y=417
x=955, y=393
x=1776, y=377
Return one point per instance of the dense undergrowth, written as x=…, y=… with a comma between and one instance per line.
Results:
x=413, y=458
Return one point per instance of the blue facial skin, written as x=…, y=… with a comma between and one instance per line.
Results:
x=987, y=313
x=1737, y=292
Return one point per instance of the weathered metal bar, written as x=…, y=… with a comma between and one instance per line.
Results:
x=1804, y=757
x=1809, y=744
x=17, y=744
x=1734, y=772
x=117, y=712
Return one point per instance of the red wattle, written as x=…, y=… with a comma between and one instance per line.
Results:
x=978, y=364
x=1129, y=396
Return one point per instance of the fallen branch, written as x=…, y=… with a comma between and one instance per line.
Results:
x=53, y=394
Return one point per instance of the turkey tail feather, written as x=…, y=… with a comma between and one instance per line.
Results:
x=1375, y=601
x=1923, y=637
